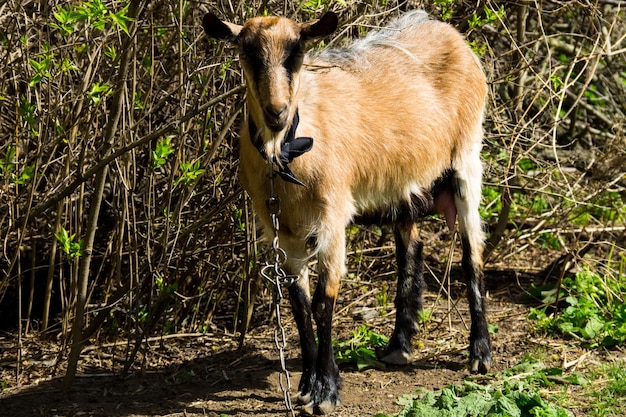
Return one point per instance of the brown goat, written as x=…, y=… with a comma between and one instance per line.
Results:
x=387, y=129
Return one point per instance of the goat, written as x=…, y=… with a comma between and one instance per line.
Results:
x=387, y=129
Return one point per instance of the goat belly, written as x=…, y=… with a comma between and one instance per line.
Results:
x=413, y=209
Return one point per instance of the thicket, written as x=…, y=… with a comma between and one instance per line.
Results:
x=120, y=211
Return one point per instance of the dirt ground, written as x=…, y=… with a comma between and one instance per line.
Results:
x=206, y=375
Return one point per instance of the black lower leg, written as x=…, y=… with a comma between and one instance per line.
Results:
x=301, y=306
x=480, y=344
x=325, y=395
x=408, y=301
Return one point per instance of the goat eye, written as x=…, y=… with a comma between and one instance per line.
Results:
x=293, y=56
x=250, y=54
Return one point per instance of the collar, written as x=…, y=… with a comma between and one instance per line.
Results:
x=290, y=148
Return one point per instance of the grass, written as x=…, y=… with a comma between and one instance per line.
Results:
x=608, y=391
x=590, y=308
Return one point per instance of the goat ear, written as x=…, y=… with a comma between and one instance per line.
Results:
x=217, y=29
x=323, y=27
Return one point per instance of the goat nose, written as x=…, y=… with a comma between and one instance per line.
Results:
x=276, y=112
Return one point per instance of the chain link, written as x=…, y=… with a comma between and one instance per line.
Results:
x=274, y=273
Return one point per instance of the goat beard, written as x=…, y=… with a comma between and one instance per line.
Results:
x=273, y=145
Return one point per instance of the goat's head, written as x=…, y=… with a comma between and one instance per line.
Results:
x=271, y=52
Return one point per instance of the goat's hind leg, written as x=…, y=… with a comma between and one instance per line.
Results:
x=408, y=301
x=467, y=194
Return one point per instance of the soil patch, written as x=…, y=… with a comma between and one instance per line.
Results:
x=207, y=375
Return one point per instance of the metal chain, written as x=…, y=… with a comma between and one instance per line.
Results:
x=277, y=276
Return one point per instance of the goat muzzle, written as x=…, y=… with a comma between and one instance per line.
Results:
x=276, y=118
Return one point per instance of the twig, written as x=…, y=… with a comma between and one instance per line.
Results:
x=170, y=127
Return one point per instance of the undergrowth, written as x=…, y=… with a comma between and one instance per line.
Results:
x=608, y=399
x=590, y=308
x=360, y=350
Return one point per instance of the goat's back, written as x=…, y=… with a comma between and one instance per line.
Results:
x=389, y=114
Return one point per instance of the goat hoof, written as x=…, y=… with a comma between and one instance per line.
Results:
x=480, y=355
x=328, y=406
x=323, y=396
x=481, y=366
x=324, y=408
x=301, y=399
x=308, y=408
x=397, y=357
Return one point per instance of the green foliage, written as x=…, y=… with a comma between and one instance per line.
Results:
x=121, y=20
x=163, y=287
x=97, y=92
x=446, y=8
x=6, y=164
x=536, y=204
x=609, y=400
x=27, y=112
x=478, y=47
x=239, y=218
x=190, y=172
x=94, y=13
x=42, y=69
x=312, y=6
x=110, y=52
x=549, y=240
x=492, y=203
x=607, y=207
x=516, y=393
x=161, y=152
x=142, y=315
x=491, y=16
x=68, y=65
x=595, y=311
x=361, y=349
x=8, y=167
x=526, y=164
x=138, y=100
x=27, y=174
x=225, y=67
x=71, y=248
x=383, y=298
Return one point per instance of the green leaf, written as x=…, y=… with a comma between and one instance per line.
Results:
x=27, y=174
x=593, y=327
x=68, y=246
x=98, y=91
x=526, y=164
x=120, y=19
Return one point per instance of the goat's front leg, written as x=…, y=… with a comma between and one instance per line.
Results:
x=325, y=390
x=300, y=297
x=301, y=307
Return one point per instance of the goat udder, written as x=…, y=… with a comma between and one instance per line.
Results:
x=444, y=204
